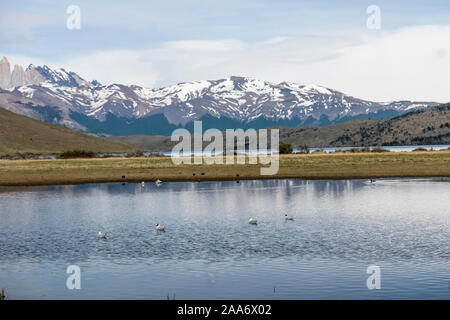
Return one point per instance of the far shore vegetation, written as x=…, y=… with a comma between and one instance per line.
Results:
x=284, y=148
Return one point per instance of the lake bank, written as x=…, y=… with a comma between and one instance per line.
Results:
x=300, y=166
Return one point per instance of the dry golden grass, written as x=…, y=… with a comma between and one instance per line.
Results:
x=311, y=166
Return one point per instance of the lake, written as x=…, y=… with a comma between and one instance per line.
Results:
x=210, y=251
x=327, y=150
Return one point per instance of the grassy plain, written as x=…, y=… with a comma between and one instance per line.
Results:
x=302, y=166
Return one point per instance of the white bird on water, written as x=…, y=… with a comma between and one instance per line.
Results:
x=252, y=221
x=142, y=184
x=158, y=182
x=101, y=235
x=289, y=217
x=160, y=228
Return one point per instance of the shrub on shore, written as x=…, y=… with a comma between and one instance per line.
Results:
x=77, y=154
x=285, y=148
x=357, y=150
x=20, y=156
x=361, y=150
x=379, y=149
x=420, y=149
x=157, y=154
x=135, y=154
x=303, y=149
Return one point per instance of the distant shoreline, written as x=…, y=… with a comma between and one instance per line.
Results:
x=399, y=148
x=297, y=166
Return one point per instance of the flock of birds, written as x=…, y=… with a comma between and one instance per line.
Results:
x=157, y=182
x=286, y=217
x=159, y=227
x=163, y=228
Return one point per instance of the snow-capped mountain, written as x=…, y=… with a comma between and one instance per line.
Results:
x=246, y=101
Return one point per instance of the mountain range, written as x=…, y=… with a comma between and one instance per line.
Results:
x=63, y=97
x=420, y=127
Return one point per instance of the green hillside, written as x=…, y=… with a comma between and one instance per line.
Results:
x=22, y=134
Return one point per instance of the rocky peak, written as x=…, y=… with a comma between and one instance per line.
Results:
x=37, y=75
x=5, y=73
x=61, y=77
x=33, y=76
x=18, y=77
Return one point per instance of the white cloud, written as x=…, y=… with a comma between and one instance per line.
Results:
x=410, y=63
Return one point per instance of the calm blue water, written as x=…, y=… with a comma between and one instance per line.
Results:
x=210, y=251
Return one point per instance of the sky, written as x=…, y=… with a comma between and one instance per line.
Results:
x=401, y=54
